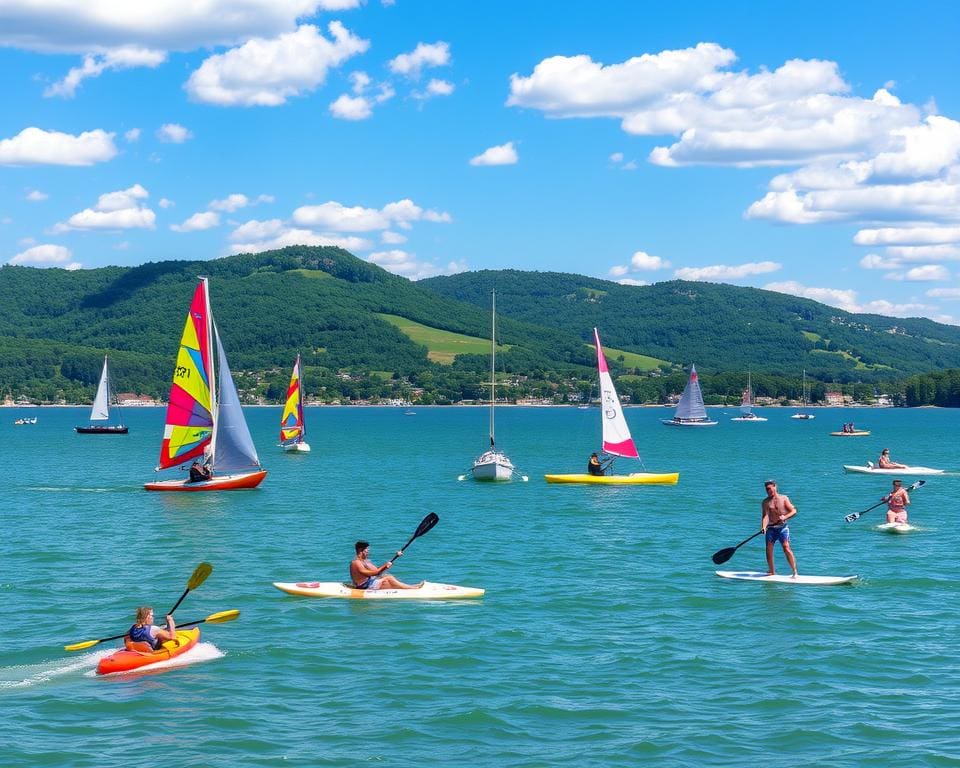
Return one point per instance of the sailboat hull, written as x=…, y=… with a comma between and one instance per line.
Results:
x=235, y=482
x=636, y=478
x=104, y=430
x=688, y=423
x=493, y=467
x=300, y=447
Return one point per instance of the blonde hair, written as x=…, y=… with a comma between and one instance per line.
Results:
x=142, y=612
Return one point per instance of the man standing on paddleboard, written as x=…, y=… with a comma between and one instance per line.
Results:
x=897, y=503
x=775, y=510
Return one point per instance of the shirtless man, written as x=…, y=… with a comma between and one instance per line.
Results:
x=897, y=503
x=775, y=510
x=365, y=575
x=885, y=462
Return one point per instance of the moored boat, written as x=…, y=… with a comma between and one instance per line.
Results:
x=101, y=409
x=691, y=412
x=746, y=406
x=128, y=659
x=428, y=591
x=293, y=429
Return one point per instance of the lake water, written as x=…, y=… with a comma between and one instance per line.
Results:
x=604, y=638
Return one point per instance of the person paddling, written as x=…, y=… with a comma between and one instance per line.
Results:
x=365, y=575
x=775, y=510
x=143, y=630
x=897, y=502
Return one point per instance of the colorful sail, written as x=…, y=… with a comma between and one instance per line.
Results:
x=188, y=429
x=691, y=404
x=292, y=427
x=616, y=433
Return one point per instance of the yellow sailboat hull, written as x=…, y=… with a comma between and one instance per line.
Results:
x=636, y=478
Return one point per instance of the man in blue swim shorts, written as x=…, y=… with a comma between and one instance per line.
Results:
x=365, y=575
x=775, y=510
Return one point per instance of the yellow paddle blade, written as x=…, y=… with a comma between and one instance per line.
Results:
x=80, y=646
x=199, y=575
x=222, y=617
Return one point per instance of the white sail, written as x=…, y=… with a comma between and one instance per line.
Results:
x=616, y=434
x=233, y=448
x=101, y=403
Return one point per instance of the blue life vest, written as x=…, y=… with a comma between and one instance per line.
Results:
x=142, y=634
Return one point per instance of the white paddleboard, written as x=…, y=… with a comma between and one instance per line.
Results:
x=429, y=591
x=871, y=470
x=784, y=578
x=896, y=527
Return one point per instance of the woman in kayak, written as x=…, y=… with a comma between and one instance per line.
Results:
x=365, y=575
x=884, y=461
x=143, y=630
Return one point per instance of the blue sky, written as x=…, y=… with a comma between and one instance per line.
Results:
x=805, y=148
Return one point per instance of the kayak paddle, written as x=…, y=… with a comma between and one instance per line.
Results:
x=425, y=525
x=725, y=554
x=856, y=515
x=196, y=579
x=214, y=618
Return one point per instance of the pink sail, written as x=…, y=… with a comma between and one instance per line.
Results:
x=616, y=434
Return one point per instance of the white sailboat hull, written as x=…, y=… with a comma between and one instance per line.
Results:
x=300, y=447
x=493, y=466
x=688, y=423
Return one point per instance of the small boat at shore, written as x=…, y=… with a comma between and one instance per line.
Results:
x=871, y=469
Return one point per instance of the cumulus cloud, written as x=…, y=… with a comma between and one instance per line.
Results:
x=407, y=265
x=931, y=235
x=632, y=281
x=643, y=260
x=944, y=293
x=503, y=154
x=35, y=146
x=434, y=88
x=348, y=107
x=36, y=196
x=846, y=299
x=46, y=255
x=923, y=274
x=269, y=72
x=125, y=57
x=198, y=222
x=720, y=272
x=281, y=236
x=132, y=135
x=114, y=210
x=173, y=133
x=334, y=216
x=423, y=56
x=236, y=201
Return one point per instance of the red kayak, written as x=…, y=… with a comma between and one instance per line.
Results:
x=129, y=658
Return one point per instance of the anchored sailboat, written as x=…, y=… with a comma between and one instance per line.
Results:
x=493, y=465
x=616, y=440
x=204, y=419
x=691, y=412
x=746, y=406
x=802, y=413
x=293, y=430
x=101, y=409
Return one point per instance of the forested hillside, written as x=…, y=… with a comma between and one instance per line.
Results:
x=346, y=318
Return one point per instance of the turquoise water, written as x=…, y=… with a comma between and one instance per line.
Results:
x=604, y=639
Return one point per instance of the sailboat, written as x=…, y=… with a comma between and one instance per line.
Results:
x=616, y=440
x=204, y=421
x=101, y=409
x=802, y=413
x=293, y=431
x=691, y=411
x=746, y=406
x=493, y=465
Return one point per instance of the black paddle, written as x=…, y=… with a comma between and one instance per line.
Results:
x=725, y=554
x=213, y=618
x=425, y=525
x=196, y=579
x=856, y=515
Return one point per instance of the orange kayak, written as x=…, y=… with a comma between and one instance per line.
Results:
x=126, y=660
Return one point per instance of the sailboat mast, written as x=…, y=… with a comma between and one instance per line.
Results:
x=303, y=421
x=493, y=364
x=214, y=405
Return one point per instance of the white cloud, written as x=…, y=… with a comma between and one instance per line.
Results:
x=45, y=256
x=875, y=261
x=846, y=299
x=944, y=293
x=424, y=55
x=334, y=216
x=114, y=210
x=165, y=203
x=632, y=281
x=616, y=157
x=927, y=273
x=36, y=196
x=504, y=154
x=35, y=146
x=406, y=264
x=132, y=135
x=292, y=236
x=931, y=235
x=173, y=133
x=268, y=72
x=643, y=260
x=925, y=252
x=198, y=222
x=721, y=272
x=392, y=238
x=236, y=201
x=125, y=57
x=348, y=107
x=618, y=271
x=435, y=88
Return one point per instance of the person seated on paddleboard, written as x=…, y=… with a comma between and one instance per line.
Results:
x=143, y=631
x=199, y=472
x=897, y=502
x=365, y=575
x=775, y=510
x=884, y=461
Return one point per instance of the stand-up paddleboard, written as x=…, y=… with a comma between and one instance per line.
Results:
x=786, y=579
x=855, y=433
x=870, y=469
x=429, y=591
x=896, y=527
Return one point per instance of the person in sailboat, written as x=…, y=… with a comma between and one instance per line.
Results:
x=594, y=467
x=365, y=575
x=885, y=462
x=199, y=472
x=143, y=630
x=897, y=502
x=775, y=510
